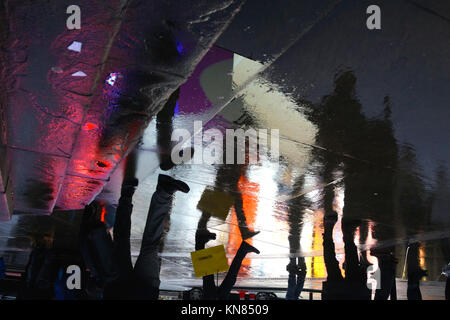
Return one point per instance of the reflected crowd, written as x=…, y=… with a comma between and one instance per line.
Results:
x=381, y=181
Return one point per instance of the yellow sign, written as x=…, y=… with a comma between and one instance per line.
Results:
x=209, y=261
x=215, y=202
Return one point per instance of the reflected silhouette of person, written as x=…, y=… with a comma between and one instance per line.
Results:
x=340, y=131
x=142, y=281
x=354, y=285
x=334, y=284
x=296, y=267
x=164, y=128
x=227, y=181
x=414, y=272
x=387, y=264
x=210, y=290
x=96, y=247
x=41, y=270
x=355, y=267
x=364, y=152
x=296, y=279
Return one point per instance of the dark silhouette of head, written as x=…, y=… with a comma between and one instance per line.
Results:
x=344, y=82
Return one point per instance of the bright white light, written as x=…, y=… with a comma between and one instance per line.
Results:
x=79, y=74
x=112, y=78
x=75, y=46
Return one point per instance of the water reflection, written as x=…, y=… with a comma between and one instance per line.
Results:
x=345, y=196
x=352, y=198
x=381, y=182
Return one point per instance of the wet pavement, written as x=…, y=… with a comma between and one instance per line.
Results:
x=362, y=167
